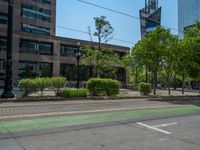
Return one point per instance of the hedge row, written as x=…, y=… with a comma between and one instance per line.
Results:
x=40, y=84
x=95, y=87
x=103, y=87
x=74, y=93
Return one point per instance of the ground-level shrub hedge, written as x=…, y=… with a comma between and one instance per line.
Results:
x=74, y=93
x=27, y=85
x=145, y=88
x=102, y=87
x=40, y=84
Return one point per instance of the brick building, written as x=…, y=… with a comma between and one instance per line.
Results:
x=37, y=51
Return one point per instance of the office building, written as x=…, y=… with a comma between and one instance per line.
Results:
x=150, y=17
x=37, y=51
x=188, y=14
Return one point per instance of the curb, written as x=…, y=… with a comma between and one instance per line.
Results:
x=43, y=99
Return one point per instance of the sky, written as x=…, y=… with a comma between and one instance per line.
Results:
x=76, y=15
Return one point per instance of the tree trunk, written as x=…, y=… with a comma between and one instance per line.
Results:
x=136, y=76
x=146, y=74
x=199, y=87
x=183, y=84
x=168, y=85
x=175, y=82
x=154, y=82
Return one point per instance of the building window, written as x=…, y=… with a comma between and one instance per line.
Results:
x=3, y=18
x=35, y=29
x=2, y=69
x=28, y=69
x=43, y=1
x=33, y=12
x=32, y=47
x=2, y=64
x=3, y=44
x=3, y=0
x=45, y=69
x=120, y=74
x=68, y=51
x=70, y=72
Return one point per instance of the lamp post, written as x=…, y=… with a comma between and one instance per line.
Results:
x=8, y=70
x=78, y=56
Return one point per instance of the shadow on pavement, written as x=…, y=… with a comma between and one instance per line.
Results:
x=180, y=100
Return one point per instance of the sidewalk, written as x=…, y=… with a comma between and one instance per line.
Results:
x=160, y=92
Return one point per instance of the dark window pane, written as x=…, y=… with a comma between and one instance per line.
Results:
x=33, y=47
x=68, y=51
x=33, y=12
x=3, y=18
x=35, y=29
x=44, y=1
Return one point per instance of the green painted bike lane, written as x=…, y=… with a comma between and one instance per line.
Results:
x=35, y=124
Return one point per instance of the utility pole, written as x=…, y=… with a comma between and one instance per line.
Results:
x=8, y=72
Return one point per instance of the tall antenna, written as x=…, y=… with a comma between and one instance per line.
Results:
x=151, y=5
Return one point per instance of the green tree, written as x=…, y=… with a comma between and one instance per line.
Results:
x=135, y=64
x=127, y=63
x=193, y=34
x=168, y=58
x=104, y=30
x=103, y=61
x=183, y=60
x=149, y=51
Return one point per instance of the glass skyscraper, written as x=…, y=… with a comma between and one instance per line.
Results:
x=188, y=14
x=150, y=17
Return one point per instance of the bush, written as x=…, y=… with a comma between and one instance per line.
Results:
x=28, y=85
x=107, y=87
x=43, y=83
x=145, y=88
x=74, y=93
x=58, y=83
x=24, y=85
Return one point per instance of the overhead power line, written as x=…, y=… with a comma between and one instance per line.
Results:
x=84, y=32
x=125, y=14
x=71, y=29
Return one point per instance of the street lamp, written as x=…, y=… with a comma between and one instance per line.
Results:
x=8, y=71
x=78, y=56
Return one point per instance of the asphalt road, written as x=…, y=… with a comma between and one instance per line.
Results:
x=68, y=106
x=141, y=124
x=185, y=135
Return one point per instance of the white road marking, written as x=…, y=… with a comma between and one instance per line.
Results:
x=153, y=128
x=165, y=125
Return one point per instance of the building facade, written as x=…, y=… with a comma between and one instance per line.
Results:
x=188, y=14
x=150, y=17
x=36, y=49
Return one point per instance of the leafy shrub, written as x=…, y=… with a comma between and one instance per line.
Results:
x=42, y=84
x=58, y=83
x=28, y=85
x=145, y=88
x=24, y=85
x=74, y=93
x=98, y=87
